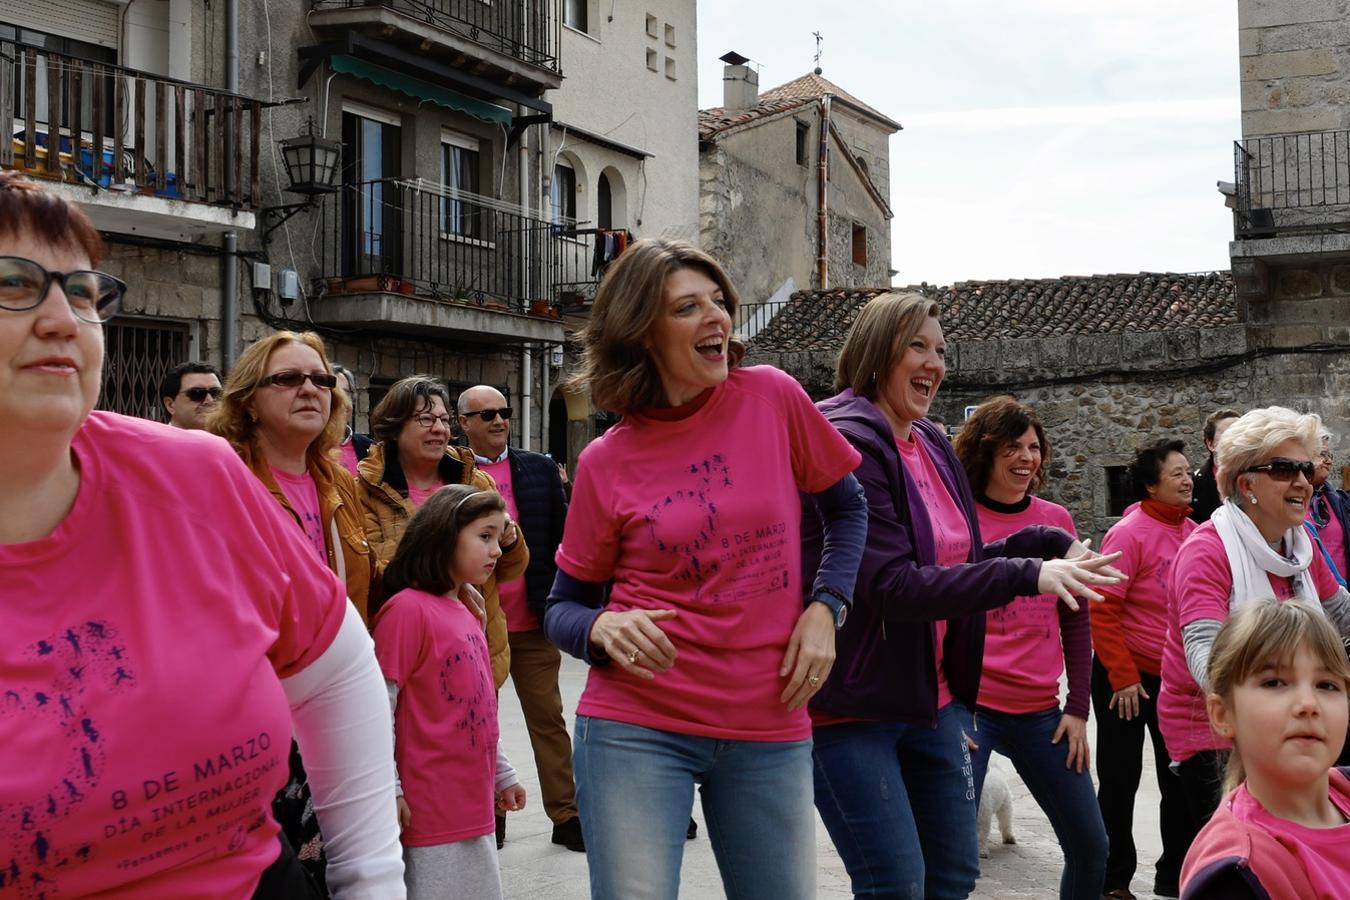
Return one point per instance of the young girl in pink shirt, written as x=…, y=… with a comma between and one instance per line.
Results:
x=430, y=641
x=1278, y=679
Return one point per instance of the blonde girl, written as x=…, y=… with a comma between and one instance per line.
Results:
x=1278, y=678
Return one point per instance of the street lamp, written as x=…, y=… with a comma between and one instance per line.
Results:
x=311, y=164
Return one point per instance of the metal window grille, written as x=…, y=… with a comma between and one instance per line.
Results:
x=137, y=353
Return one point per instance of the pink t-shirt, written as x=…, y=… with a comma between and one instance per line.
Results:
x=418, y=496
x=445, y=722
x=512, y=593
x=1333, y=537
x=143, y=728
x=951, y=534
x=304, y=499
x=702, y=515
x=1147, y=548
x=347, y=456
x=1200, y=588
x=1322, y=853
x=1023, y=653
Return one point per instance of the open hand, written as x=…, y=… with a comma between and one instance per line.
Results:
x=809, y=656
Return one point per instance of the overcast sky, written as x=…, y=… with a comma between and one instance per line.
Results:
x=1041, y=137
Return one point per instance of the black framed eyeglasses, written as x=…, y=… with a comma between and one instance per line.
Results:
x=1284, y=469
x=487, y=415
x=293, y=378
x=198, y=394
x=93, y=296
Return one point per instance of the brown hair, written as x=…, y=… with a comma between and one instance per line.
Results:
x=615, y=364
x=32, y=211
x=1261, y=633
x=1212, y=423
x=405, y=399
x=426, y=551
x=995, y=423
x=886, y=323
x=232, y=421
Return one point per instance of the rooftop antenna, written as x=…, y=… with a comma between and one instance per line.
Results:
x=818, y=38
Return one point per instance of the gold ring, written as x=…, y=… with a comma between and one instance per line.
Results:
x=632, y=657
x=813, y=679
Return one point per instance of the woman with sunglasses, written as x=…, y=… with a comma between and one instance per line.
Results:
x=283, y=414
x=166, y=627
x=412, y=458
x=1253, y=546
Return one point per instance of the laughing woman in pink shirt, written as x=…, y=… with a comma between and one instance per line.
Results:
x=709, y=643
x=1029, y=643
x=166, y=628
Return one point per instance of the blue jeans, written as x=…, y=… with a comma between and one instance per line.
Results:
x=635, y=790
x=1066, y=795
x=899, y=803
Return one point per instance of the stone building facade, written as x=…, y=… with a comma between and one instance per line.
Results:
x=761, y=161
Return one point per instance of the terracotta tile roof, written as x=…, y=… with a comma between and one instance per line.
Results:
x=1047, y=307
x=712, y=122
x=812, y=86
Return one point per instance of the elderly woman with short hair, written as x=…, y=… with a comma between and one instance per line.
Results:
x=411, y=459
x=1253, y=546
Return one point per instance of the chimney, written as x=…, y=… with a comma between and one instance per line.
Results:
x=740, y=83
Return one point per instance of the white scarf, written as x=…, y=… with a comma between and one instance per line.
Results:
x=1251, y=559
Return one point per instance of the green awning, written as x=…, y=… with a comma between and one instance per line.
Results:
x=420, y=90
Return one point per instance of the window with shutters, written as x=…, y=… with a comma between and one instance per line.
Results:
x=137, y=353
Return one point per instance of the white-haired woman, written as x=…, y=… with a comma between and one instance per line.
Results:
x=1253, y=546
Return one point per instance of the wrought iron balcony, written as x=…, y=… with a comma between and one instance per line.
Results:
x=497, y=35
x=1292, y=184
x=105, y=126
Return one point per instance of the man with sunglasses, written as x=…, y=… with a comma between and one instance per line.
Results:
x=189, y=392
x=534, y=498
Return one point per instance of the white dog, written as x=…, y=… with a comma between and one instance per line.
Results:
x=995, y=800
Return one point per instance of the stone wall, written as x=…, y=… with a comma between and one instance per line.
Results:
x=1295, y=65
x=1101, y=397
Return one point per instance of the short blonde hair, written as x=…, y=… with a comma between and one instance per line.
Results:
x=1255, y=435
x=615, y=364
x=1267, y=632
x=231, y=419
x=886, y=323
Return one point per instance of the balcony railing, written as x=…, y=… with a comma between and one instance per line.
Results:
x=419, y=238
x=527, y=30
x=105, y=126
x=1292, y=183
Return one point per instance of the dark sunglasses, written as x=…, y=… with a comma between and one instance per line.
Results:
x=93, y=296
x=291, y=378
x=198, y=394
x=1283, y=469
x=487, y=415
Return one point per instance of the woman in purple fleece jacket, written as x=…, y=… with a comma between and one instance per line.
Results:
x=892, y=770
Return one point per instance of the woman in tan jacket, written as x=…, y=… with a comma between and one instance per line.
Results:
x=412, y=458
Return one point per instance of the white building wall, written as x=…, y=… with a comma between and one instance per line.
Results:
x=611, y=89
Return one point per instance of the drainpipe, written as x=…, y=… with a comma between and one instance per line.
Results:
x=822, y=196
x=229, y=242
x=526, y=356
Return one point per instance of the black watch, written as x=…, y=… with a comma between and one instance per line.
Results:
x=837, y=603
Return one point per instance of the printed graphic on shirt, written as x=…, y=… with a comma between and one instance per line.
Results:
x=945, y=543
x=739, y=562
x=1025, y=617
x=466, y=684
x=82, y=658
x=152, y=822
x=314, y=531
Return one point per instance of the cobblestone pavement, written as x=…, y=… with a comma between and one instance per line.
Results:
x=533, y=868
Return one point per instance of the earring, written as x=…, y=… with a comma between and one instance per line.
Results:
x=1252, y=497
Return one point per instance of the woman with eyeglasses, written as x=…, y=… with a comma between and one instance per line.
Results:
x=411, y=459
x=166, y=628
x=1253, y=546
